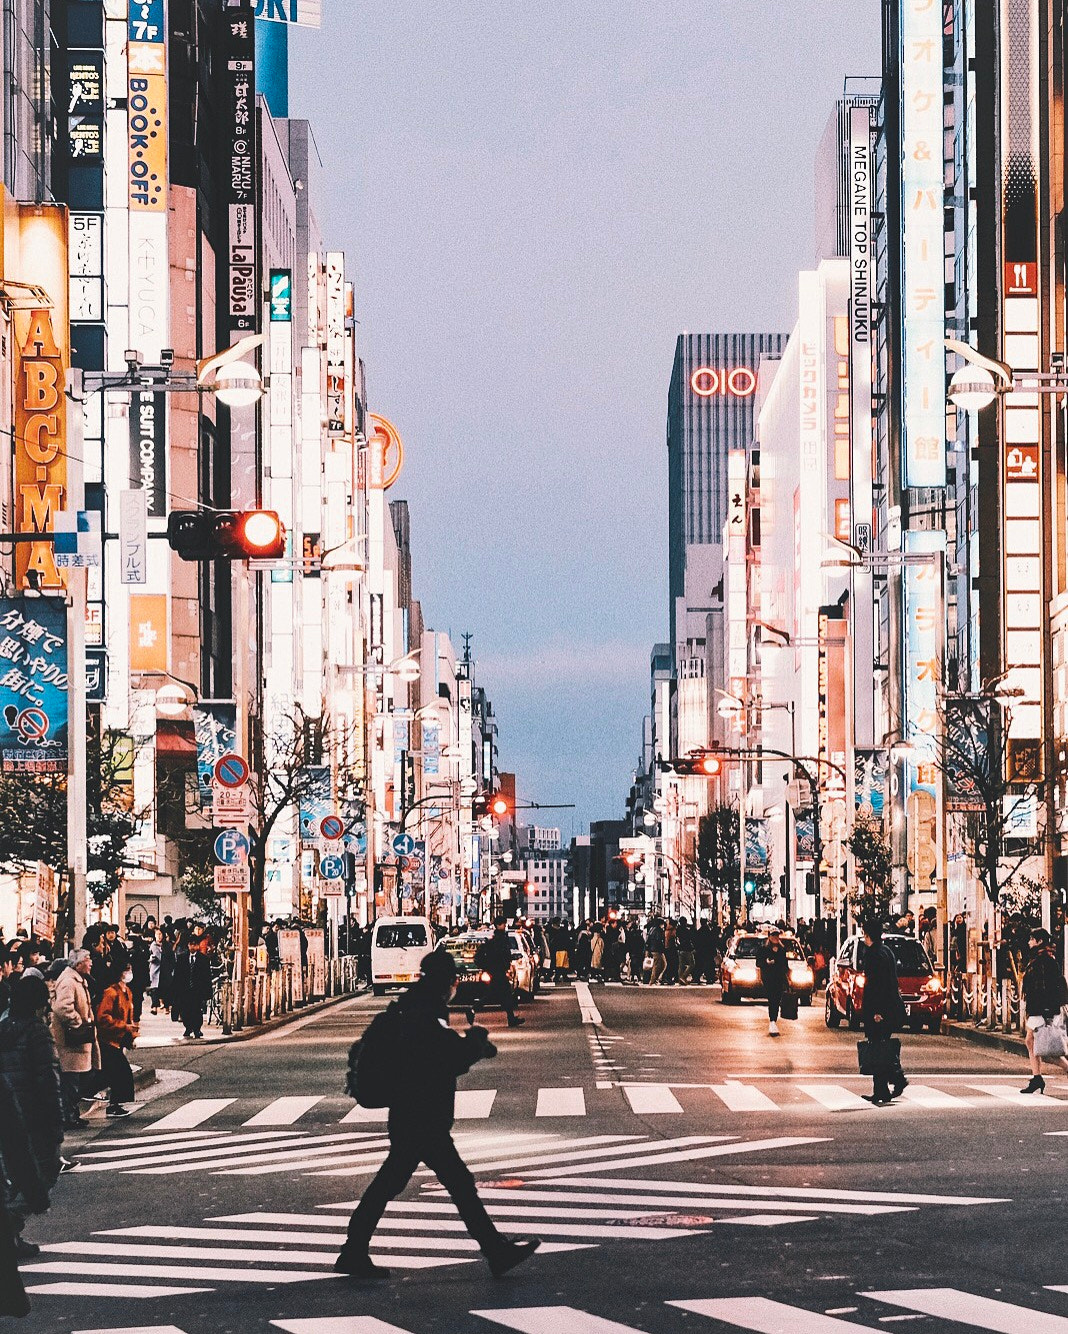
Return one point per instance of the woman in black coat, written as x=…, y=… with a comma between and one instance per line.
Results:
x=882, y=1011
x=31, y=1122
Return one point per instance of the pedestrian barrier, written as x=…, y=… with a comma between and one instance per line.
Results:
x=266, y=995
x=990, y=1004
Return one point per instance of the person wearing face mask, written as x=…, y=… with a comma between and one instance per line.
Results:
x=116, y=1029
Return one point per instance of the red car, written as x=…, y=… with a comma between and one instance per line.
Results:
x=921, y=987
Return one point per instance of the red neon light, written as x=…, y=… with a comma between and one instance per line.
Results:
x=738, y=383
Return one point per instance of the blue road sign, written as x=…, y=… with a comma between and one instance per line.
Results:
x=331, y=868
x=404, y=845
x=231, y=848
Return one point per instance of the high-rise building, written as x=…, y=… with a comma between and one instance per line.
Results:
x=710, y=412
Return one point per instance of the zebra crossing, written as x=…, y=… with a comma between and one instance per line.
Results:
x=754, y=1314
x=563, y=1197
x=799, y=1094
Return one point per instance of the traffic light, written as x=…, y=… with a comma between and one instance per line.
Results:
x=226, y=534
x=749, y=887
x=499, y=805
x=701, y=763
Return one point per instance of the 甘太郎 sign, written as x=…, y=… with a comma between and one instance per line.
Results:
x=40, y=448
x=707, y=382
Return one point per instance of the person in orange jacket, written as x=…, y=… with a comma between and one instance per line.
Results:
x=116, y=1031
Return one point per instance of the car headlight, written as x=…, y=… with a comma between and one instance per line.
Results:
x=932, y=987
x=801, y=972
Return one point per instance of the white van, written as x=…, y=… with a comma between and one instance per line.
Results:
x=398, y=947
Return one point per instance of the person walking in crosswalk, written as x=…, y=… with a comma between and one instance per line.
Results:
x=882, y=1013
x=425, y=1059
x=774, y=976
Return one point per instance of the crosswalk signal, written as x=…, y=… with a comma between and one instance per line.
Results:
x=198, y=535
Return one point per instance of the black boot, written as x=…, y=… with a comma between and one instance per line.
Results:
x=360, y=1267
x=1037, y=1085
x=510, y=1254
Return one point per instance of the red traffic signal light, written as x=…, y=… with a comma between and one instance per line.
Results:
x=700, y=763
x=499, y=805
x=198, y=535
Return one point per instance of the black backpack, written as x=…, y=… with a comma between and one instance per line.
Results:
x=372, y=1060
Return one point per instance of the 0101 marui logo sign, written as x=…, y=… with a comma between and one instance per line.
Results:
x=33, y=685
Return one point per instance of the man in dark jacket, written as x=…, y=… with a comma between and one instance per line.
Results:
x=495, y=956
x=774, y=976
x=429, y=1057
x=881, y=1011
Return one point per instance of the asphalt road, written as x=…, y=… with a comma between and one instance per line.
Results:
x=685, y=1171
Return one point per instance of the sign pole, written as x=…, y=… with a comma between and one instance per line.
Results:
x=77, y=742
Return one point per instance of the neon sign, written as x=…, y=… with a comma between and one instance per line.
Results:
x=738, y=383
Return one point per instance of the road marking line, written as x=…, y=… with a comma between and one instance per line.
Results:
x=474, y=1104
x=790, y=1192
x=604, y=1084
x=964, y=1308
x=553, y=1320
x=145, y=1252
x=561, y=1102
x=835, y=1098
x=530, y=1210
x=338, y=1324
x=282, y=1112
x=392, y=1223
x=92, y=1270
x=589, y=1011
x=763, y=1316
x=744, y=1098
x=651, y=1099
x=284, y=1237
x=110, y=1290
x=681, y=1155
x=923, y=1096
x=128, y=1143
x=193, y=1113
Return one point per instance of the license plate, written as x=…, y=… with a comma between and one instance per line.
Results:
x=908, y=1009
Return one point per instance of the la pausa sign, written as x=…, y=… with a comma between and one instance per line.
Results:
x=40, y=449
x=711, y=382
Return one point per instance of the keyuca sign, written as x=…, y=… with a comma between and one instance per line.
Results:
x=707, y=382
x=40, y=447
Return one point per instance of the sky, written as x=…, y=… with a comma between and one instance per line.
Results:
x=535, y=200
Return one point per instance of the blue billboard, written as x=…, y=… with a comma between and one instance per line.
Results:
x=33, y=685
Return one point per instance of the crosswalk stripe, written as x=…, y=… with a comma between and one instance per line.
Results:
x=474, y=1104
x=359, y=1115
x=176, y=1232
x=525, y=1210
x=590, y=1152
x=1017, y=1098
x=923, y=1096
x=326, y=1157
x=282, y=1112
x=304, y=1151
x=651, y=1099
x=835, y=1098
x=137, y=1329
x=93, y=1270
x=603, y=1232
x=123, y=1143
x=744, y=1098
x=289, y=1145
x=763, y=1316
x=553, y=1320
x=145, y=1251
x=337, y=1324
x=192, y=1113
x=726, y=1204
x=680, y=1155
x=810, y=1193
x=128, y=1290
x=979, y=1312
x=496, y=1146
x=561, y=1102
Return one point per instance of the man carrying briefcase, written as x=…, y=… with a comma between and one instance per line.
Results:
x=882, y=1011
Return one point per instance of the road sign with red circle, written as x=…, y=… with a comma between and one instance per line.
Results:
x=232, y=771
x=331, y=827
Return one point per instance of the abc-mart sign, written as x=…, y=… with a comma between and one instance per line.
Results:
x=709, y=383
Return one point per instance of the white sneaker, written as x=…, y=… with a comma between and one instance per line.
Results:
x=773, y=1029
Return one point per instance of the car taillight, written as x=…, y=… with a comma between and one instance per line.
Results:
x=485, y=977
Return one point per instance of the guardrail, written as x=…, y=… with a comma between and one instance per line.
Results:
x=263, y=996
x=988, y=1003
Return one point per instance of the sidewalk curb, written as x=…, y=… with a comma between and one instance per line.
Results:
x=984, y=1037
x=146, y=1075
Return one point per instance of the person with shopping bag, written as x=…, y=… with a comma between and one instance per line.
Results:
x=1045, y=994
x=882, y=1012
